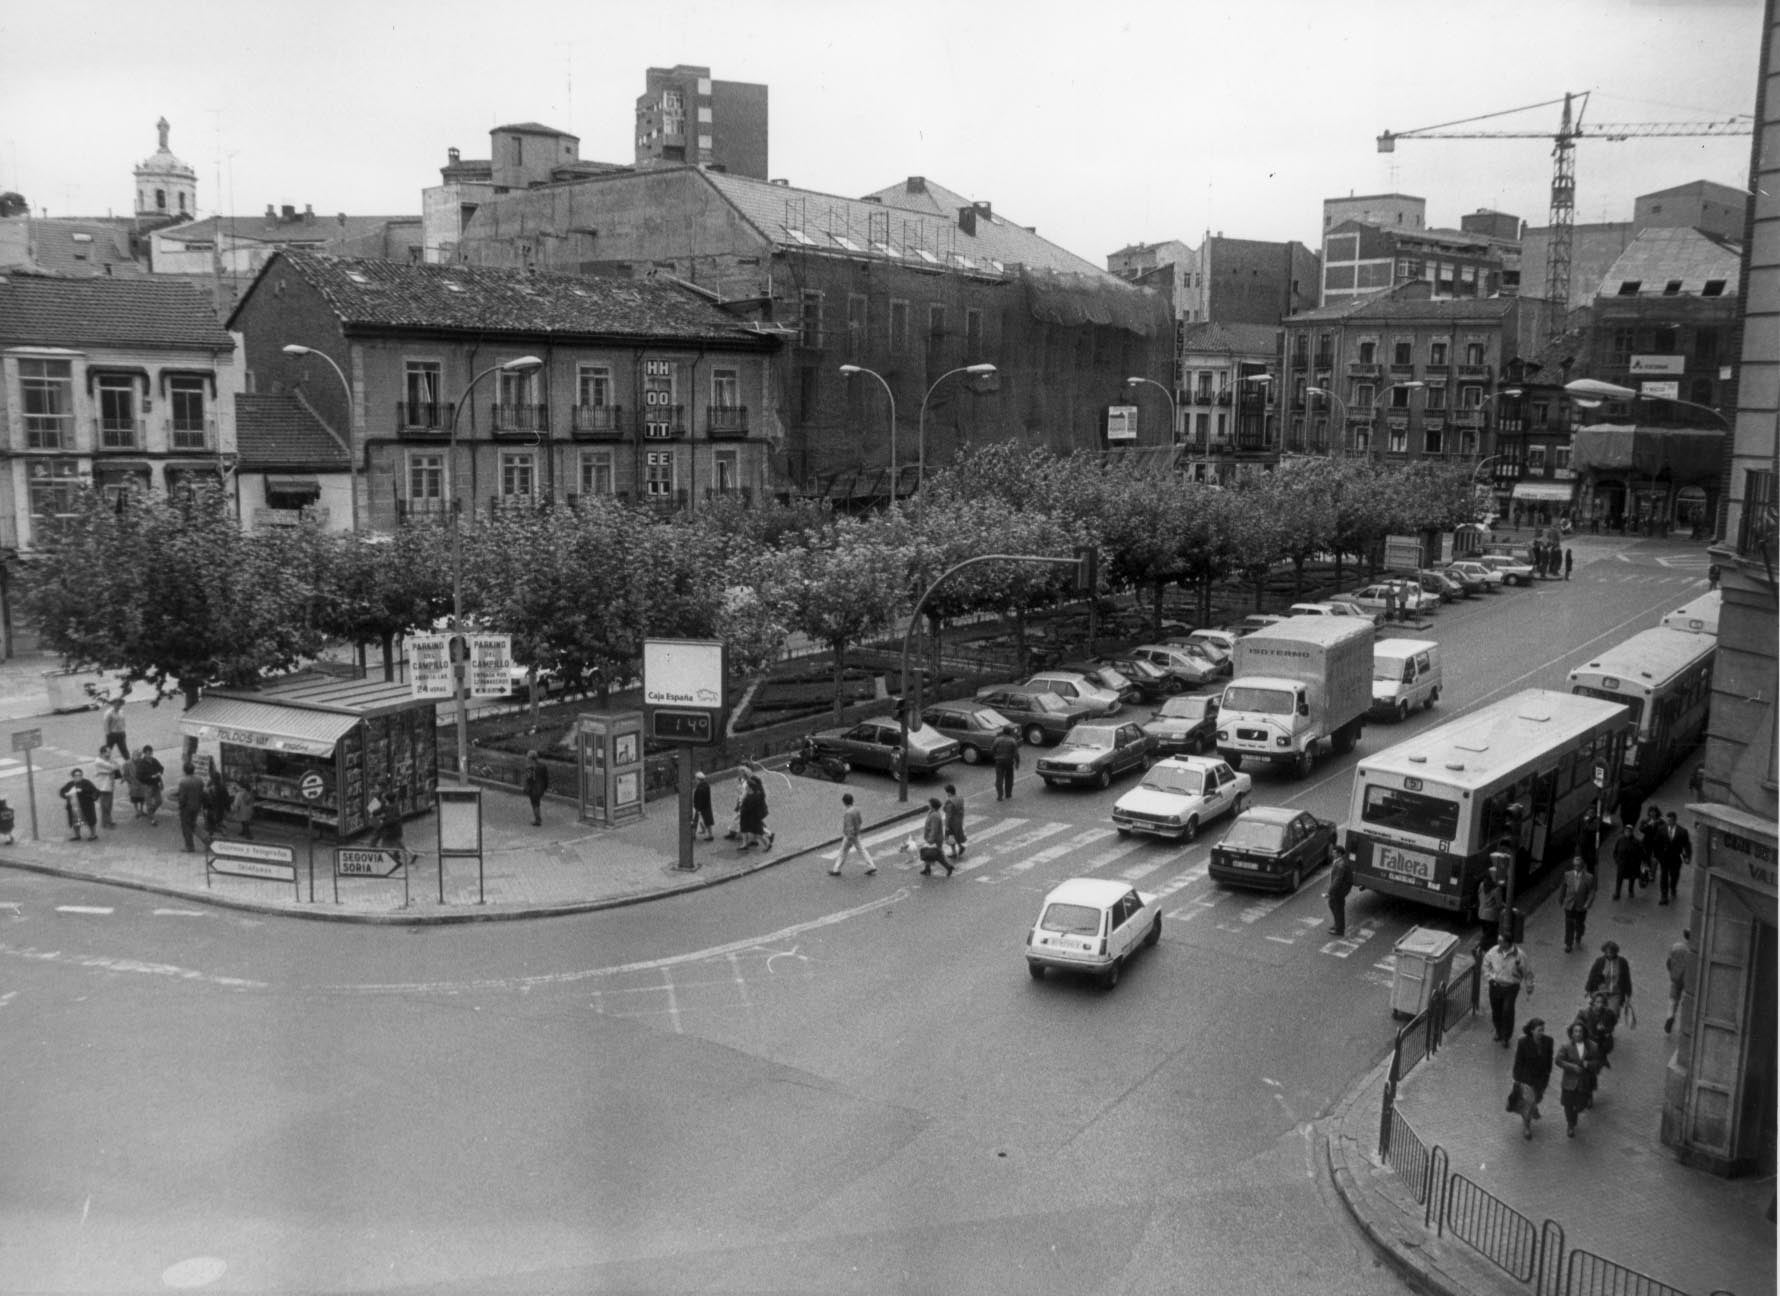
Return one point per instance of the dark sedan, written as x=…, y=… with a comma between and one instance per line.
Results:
x=872, y=744
x=1152, y=681
x=971, y=725
x=1273, y=848
x=1096, y=754
x=1042, y=716
x=1188, y=724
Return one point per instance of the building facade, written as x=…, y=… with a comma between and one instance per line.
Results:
x=166, y=188
x=113, y=383
x=1360, y=259
x=1229, y=411
x=646, y=390
x=684, y=116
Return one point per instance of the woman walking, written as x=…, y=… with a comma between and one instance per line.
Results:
x=753, y=816
x=1612, y=976
x=1532, y=1071
x=1575, y=1057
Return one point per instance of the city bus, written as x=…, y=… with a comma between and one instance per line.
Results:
x=1520, y=773
x=1664, y=679
x=1699, y=616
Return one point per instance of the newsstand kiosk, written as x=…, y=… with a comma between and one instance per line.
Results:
x=361, y=736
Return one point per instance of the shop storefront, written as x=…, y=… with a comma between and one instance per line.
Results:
x=1644, y=480
x=342, y=740
x=1540, y=503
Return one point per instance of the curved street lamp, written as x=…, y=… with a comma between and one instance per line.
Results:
x=294, y=349
x=848, y=370
x=1585, y=389
x=460, y=669
x=1173, y=408
x=921, y=444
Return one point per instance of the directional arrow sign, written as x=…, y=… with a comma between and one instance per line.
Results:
x=354, y=861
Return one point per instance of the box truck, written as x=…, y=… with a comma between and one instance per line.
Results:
x=1296, y=683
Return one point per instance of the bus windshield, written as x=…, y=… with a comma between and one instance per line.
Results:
x=1264, y=701
x=1634, y=706
x=1411, y=812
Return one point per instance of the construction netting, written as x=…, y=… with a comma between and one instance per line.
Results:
x=1069, y=299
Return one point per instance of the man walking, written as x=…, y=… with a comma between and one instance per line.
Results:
x=1490, y=895
x=1569, y=562
x=536, y=784
x=954, y=812
x=933, y=840
x=1674, y=847
x=702, y=818
x=852, y=824
x=189, y=798
x=82, y=799
x=105, y=779
x=1576, y=895
x=1507, y=969
x=114, y=730
x=1628, y=859
x=149, y=773
x=1006, y=752
x=1341, y=881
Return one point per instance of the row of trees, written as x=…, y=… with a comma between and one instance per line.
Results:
x=170, y=591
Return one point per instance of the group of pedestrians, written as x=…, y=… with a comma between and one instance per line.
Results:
x=1655, y=848
x=942, y=839
x=1586, y=1049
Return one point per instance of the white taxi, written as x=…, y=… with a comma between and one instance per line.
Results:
x=1092, y=925
x=1179, y=796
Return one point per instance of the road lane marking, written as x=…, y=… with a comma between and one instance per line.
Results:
x=101, y=963
x=85, y=909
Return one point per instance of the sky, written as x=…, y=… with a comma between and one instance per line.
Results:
x=1103, y=124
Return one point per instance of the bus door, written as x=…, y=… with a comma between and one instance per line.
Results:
x=1541, y=810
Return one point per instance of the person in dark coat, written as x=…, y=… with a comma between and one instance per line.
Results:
x=1673, y=847
x=933, y=839
x=1341, y=881
x=1628, y=861
x=150, y=774
x=702, y=818
x=1532, y=1070
x=1577, y=1059
x=81, y=796
x=1601, y=1021
x=753, y=826
x=1612, y=976
x=216, y=801
x=190, y=796
x=1575, y=895
x=536, y=783
x=1006, y=751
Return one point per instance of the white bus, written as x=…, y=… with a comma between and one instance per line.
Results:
x=1699, y=616
x=1664, y=679
x=1523, y=771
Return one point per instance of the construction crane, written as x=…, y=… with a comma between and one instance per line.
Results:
x=1563, y=171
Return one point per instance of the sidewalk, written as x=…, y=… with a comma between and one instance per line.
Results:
x=1615, y=1189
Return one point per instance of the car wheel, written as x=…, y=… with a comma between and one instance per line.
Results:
x=971, y=755
x=1433, y=697
x=1036, y=971
x=1035, y=736
x=1174, y=685
x=1297, y=879
x=797, y=765
x=1155, y=933
x=1191, y=830
x=1402, y=712
x=1110, y=977
x=1234, y=760
x=1105, y=779
x=1304, y=763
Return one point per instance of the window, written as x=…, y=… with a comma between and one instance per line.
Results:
x=973, y=334
x=659, y=417
x=1536, y=460
x=117, y=412
x=1560, y=458
x=1400, y=397
x=936, y=329
x=1672, y=288
x=1712, y=288
x=426, y=477
x=1368, y=352
x=518, y=387
x=1363, y=395
x=1434, y=397
x=1201, y=427
x=53, y=485
x=1471, y=398
x=1705, y=347
x=1473, y=353
x=1437, y=353
x=658, y=473
x=518, y=475
x=1621, y=346
x=593, y=386
x=46, y=391
x=160, y=200
x=856, y=323
x=726, y=389
x=810, y=322
x=1403, y=352
x=186, y=395
x=899, y=327
x=726, y=470
x=596, y=475
x=421, y=386
x=1399, y=442
x=1433, y=441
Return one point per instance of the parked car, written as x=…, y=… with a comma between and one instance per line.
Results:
x=1475, y=577
x=1514, y=571
x=1179, y=796
x=1097, y=753
x=1043, y=717
x=1149, y=682
x=1075, y=687
x=1439, y=584
x=1399, y=597
x=1191, y=666
x=971, y=725
x=1216, y=654
x=1107, y=676
x=1092, y=925
x=1256, y=621
x=1185, y=724
x=1217, y=639
x=1273, y=847
x=1341, y=606
x=872, y=744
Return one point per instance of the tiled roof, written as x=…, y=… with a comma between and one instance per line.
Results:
x=78, y=247
x=38, y=310
x=322, y=229
x=380, y=294
x=277, y=431
x=931, y=227
x=1232, y=339
x=535, y=128
x=1397, y=305
x=1658, y=257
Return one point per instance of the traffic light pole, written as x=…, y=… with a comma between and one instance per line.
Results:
x=1085, y=561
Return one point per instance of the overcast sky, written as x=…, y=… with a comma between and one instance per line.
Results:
x=1102, y=123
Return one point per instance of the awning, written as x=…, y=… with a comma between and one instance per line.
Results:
x=292, y=486
x=1544, y=492
x=1682, y=454
x=259, y=724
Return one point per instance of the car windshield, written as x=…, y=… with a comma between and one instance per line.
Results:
x=1182, y=782
x=1183, y=708
x=1254, y=835
x=1263, y=701
x=1095, y=737
x=1071, y=919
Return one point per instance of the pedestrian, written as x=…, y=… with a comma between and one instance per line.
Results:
x=1006, y=752
x=385, y=811
x=753, y=815
x=1679, y=960
x=1491, y=895
x=1577, y=1060
x=703, y=822
x=105, y=779
x=1341, y=881
x=1569, y=562
x=1507, y=968
x=1611, y=975
x=1575, y=895
x=150, y=773
x=1628, y=861
x=216, y=801
x=536, y=783
x=852, y=824
x=1674, y=848
x=1631, y=801
x=126, y=769
x=8, y=821
x=1588, y=836
x=1390, y=602
x=1532, y=1072
x=1600, y=1020
x=734, y=831
x=954, y=812
x=188, y=796
x=1712, y=575
x=933, y=839
x=238, y=820
x=81, y=799
x=114, y=729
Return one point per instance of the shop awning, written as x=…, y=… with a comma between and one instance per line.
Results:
x=1544, y=492
x=293, y=486
x=1682, y=454
x=259, y=724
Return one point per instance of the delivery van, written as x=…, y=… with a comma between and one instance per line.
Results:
x=1405, y=675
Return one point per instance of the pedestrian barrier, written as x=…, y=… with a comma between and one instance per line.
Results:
x=1407, y=1156
x=1588, y=1274
x=1493, y=1228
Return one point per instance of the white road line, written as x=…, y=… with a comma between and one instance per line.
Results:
x=85, y=909
x=181, y=913
x=673, y=1008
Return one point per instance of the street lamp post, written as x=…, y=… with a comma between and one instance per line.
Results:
x=895, y=468
x=1173, y=408
x=1341, y=405
x=1594, y=389
x=351, y=451
x=1379, y=406
x=921, y=444
x=460, y=669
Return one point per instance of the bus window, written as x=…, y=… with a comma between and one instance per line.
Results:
x=1412, y=812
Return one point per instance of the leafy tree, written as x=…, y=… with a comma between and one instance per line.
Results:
x=13, y=204
x=380, y=586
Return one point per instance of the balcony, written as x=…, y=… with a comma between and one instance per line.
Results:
x=1402, y=371
x=429, y=418
x=423, y=508
x=191, y=434
x=596, y=422
x=519, y=420
x=1325, y=360
x=1198, y=397
x=743, y=494
x=664, y=422
x=726, y=422
x=1224, y=397
x=1360, y=369
x=1474, y=371
x=1468, y=418
x=118, y=434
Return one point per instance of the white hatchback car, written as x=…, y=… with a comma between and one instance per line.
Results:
x=1181, y=795
x=1092, y=925
x=1072, y=686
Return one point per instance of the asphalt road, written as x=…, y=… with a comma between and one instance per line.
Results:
x=791, y=1084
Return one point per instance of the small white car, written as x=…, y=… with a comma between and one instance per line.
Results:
x=1221, y=642
x=1491, y=578
x=1513, y=571
x=1191, y=666
x=1072, y=686
x=1181, y=795
x=1398, y=596
x=1341, y=606
x=1092, y=925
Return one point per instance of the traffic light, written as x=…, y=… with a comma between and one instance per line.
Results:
x=899, y=707
x=1087, y=568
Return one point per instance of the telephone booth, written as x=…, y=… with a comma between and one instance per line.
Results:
x=609, y=758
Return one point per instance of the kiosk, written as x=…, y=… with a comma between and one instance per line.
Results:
x=359, y=736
